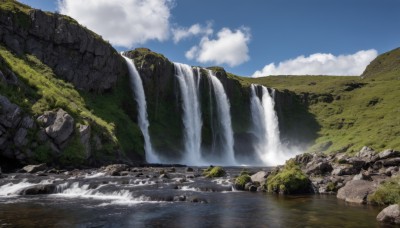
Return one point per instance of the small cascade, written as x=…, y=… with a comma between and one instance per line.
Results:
x=266, y=127
x=224, y=119
x=191, y=112
x=140, y=98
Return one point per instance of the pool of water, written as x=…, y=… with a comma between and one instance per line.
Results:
x=97, y=200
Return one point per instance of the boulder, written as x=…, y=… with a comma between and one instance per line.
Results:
x=344, y=170
x=35, y=168
x=242, y=181
x=59, y=125
x=356, y=191
x=115, y=169
x=389, y=154
x=390, y=214
x=366, y=152
x=259, y=177
x=40, y=189
x=318, y=168
x=362, y=176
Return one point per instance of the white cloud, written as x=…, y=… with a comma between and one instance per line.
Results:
x=194, y=30
x=230, y=47
x=321, y=64
x=123, y=22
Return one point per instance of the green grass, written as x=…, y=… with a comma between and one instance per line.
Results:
x=348, y=117
x=387, y=193
x=106, y=113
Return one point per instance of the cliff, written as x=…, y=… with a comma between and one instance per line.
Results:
x=73, y=52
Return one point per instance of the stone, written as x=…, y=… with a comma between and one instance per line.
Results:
x=41, y=136
x=84, y=133
x=356, y=191
x=344, y=170
x=318, y=168
x=189, y=169
x=362, y=176
x=303, y=159
x=35, y=168
x=27, y=122
x=20, y=139
x=389, y=154
x=390, y=214
x=40, y=189
x=259, y=177
x=62, y=127
x=366, y=152
x=164, y=176
x=115, y=169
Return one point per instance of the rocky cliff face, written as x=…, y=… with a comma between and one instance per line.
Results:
x=74, y=53
x=297, y=126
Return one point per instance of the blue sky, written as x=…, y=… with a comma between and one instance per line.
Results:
x=247, y=36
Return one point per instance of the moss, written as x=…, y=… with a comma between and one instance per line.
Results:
x=289, y=180
x=244, y=172
x=216, y=171
x=74, y=153
x=241, y=181
x=387, y=193
x=43, y=153
x=331, y=187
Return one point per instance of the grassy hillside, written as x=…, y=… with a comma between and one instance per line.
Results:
x=352, y=111
x=40, y=90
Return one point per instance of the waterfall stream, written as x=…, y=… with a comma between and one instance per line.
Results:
x=140, y=98
x=191, y=112
x=266, y=127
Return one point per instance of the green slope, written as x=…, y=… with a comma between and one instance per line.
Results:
x=351, y=111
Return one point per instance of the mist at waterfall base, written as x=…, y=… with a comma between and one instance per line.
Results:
x=268, y=147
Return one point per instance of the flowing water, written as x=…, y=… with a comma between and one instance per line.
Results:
x=143, y=198
x=140, y=98
x=266, y=127
x=224, y=120
x=191, y=113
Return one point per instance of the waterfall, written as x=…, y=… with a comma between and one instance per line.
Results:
x=140, y=98
x=266, y=127
x=224, y=119
x=191, y=112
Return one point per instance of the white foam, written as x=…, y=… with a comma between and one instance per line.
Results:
x=12, y=189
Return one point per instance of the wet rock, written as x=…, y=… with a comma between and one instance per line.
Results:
x=164, y=176
x=38, y=190
x=180, y=198
x=390, y=214
x=242, y=181
x=20, y=139
x=189, y=169
x=115, y=169
x=35, y=168
x=124, y=173
x=356, y=191
x=303, y=159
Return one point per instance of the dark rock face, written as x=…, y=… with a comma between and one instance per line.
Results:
x=390, y=214
x=72, y=51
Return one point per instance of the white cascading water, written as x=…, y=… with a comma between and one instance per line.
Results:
x=191, y=112
x=224, y=118
x=266, y=128
x=140, y=98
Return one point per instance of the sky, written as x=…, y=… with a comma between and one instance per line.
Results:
x=248, y=38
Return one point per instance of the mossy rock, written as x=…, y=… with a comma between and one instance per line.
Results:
x=212, y=172
x=387, y=193
x=289, y=180
x=241, y=181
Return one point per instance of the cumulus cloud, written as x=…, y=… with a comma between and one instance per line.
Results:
x=229, y=47
x=122, y=22
x=181, y=33
x=321, y=64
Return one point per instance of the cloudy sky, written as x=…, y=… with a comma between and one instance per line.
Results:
x=248, y=38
